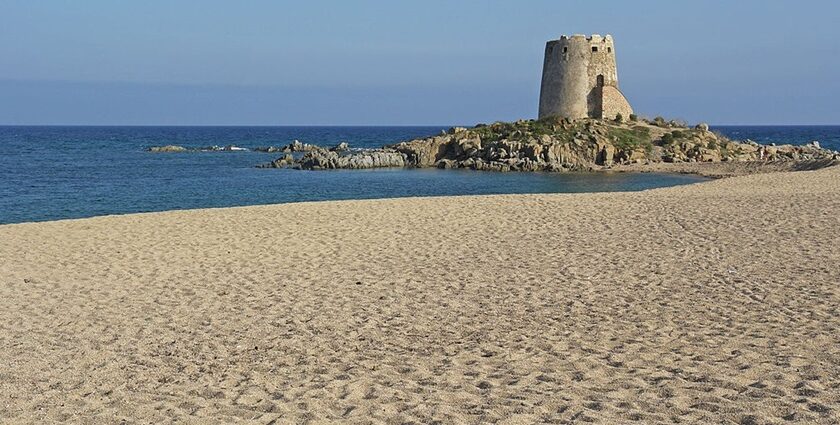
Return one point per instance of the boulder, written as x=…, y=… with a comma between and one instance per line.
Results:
x=606, y=154
x=343, y=146
x=286, y=159
x=320, y=158
x=282, y=162
x=446, y=164
x=297, y=146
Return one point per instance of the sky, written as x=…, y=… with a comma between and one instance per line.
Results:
x=429, y=62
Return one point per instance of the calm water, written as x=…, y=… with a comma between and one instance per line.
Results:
x=49, y=173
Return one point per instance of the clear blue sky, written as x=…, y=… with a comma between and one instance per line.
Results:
x=405, y=62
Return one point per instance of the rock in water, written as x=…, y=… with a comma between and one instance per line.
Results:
x=167, y=148
x=343, y=146
x=282, y=162
x=556, y=145
x=297, y=146
x=318, y=159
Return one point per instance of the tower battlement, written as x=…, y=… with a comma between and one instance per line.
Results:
x=593, y=37
x=580, y=78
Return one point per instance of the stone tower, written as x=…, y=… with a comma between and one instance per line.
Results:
x=580, y=80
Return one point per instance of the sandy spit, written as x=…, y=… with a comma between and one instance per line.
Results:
x=712, y=303
x=726, y=169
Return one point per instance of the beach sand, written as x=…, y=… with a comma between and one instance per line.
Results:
x=717, y=302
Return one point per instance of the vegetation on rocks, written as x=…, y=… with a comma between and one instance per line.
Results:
x=555, y=144
x=631, y=138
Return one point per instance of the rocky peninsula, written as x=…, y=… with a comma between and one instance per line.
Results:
x=561, y=145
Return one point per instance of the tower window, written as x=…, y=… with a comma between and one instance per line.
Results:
x=594, y=48
x=565, y=50
x=609, y=49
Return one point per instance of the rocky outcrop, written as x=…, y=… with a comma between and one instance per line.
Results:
x=167, y=148
x=322, y=159
x=176, y=148
x=295, y=146
x=270, y=149
x=282, y=162
x=228, y=148
x=562, y=145
x=343, y=146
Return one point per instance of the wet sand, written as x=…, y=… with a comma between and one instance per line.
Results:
x=717, y=302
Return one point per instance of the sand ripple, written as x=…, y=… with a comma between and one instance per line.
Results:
x=716, y=302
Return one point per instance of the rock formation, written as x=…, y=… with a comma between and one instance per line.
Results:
x=214, y=148
x=555, y=144
x=295, y=146
x=167, y=148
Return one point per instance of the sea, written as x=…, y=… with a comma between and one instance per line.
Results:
x=57, y=172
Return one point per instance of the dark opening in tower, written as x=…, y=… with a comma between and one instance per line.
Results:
x=600, y=80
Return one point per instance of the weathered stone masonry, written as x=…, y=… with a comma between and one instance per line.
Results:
x=580, y=79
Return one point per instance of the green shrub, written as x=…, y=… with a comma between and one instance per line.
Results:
x=629, y=139
x=672, y=137
x=634, y=117
x=556, y=127
x=619, y=118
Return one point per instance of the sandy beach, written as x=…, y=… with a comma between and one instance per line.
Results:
x=717, y=302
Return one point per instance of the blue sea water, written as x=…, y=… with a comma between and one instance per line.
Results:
x=827, y=135
x=49, y=173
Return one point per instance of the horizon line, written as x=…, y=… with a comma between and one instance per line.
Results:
x=368, y=125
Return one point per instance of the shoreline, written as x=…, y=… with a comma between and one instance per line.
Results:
x=701, y=179
x=718, y=170
x=709, y=171
x=705, y=303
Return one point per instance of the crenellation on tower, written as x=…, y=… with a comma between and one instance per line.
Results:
x=580, y=79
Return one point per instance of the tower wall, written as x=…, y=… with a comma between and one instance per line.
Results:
x=575, y=70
